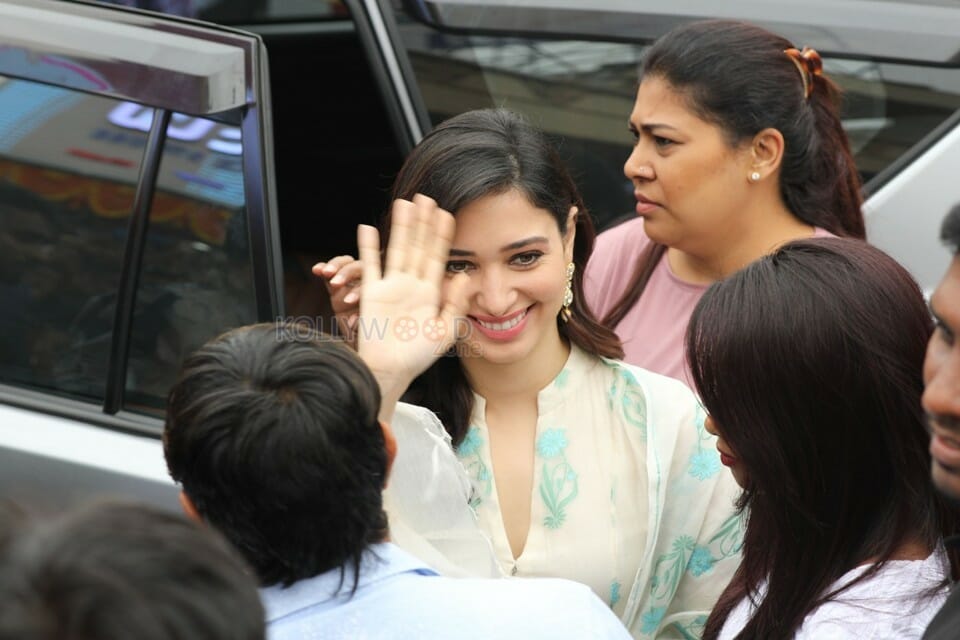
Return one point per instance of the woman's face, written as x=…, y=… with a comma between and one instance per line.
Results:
x=727, y=456
x=516, y=261
x=688, y=181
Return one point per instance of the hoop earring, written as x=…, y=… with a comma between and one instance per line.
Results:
x=565, y=313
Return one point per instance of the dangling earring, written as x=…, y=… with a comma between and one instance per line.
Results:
x=755, y=176
x=568, y=294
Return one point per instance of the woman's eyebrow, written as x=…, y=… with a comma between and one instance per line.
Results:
x=522, y=243
x=513, y=246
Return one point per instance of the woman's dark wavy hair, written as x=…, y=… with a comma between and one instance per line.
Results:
x=272, y=432
x=482, y=153
x=810, y=362
x=737, y=76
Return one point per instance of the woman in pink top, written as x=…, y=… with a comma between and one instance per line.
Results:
x=739, y=148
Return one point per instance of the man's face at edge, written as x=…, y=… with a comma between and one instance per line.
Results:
x=941, y=377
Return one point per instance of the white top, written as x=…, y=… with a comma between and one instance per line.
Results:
x=894, y=603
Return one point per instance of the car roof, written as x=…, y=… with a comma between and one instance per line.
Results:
x=892, y=30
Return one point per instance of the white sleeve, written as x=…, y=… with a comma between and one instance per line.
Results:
x=427, y=499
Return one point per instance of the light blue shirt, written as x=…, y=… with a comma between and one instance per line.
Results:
x=400, y=598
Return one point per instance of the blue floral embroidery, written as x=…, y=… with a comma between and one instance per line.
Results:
x=471, y=443
x=614, y=592
x=651, y=619
x=470, y=456
x=558, y=481
x=701, y=561
x=729, y=539
x=669, y=568
x=562, y=378
x=551, y=443
x=693, y=630
x=625, y=396
x=704, y=464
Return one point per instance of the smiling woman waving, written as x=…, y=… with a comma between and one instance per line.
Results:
x=579, y=465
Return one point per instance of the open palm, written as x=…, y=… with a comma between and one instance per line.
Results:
x=405, y=324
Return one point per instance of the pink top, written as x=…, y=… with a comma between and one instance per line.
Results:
x=653, y=329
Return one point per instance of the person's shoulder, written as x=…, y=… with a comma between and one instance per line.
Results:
x=532, y=607
x=897, y=602
x=651, y=383
x=629, y=233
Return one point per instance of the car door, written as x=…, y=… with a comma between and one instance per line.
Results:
x=572, y=68
x=137, y=220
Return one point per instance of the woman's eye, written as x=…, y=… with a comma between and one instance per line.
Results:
x=946, y=335
x=457, y=266
x=662, y=142
x=526, y=259
x=635, y=135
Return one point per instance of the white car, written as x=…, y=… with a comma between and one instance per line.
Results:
x=163, y=178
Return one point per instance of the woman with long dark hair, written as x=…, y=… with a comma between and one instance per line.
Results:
x=581, y=466
x=809, y=364
x=738, y=149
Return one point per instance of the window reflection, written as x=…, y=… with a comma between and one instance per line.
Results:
x=242, y=11
x=69, y=166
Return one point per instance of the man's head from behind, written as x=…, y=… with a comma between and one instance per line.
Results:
x=941, y=369
x=273, y=436
x=112, y=571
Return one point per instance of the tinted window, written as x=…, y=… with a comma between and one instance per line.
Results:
x=69, y=165
x=65, y=202
x=582, y=91
x=196, y=279
x=242, y=11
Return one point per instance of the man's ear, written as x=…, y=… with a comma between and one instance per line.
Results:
x=571, y=234
x=390, y=444
x=188, y=507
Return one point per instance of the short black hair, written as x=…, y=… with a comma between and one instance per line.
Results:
x=112, y=571
x=272, y=432
x=950, y=229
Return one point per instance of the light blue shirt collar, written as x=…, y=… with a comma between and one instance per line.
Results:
x=380, y=561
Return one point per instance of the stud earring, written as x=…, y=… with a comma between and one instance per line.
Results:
x=565, y=313
x=755, y=176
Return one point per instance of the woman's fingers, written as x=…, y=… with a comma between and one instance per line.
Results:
x=331, y=267
x=368, y=245
x=403, y=221
x=455, y=299
x=423, y=232
x=438, y=250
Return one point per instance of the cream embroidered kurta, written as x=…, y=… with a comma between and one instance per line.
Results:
x=629, y=496
x=611, y=438
x=588, y=510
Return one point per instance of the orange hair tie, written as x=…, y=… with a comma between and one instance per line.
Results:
x=809, y=64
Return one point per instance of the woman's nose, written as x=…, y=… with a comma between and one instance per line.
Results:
x=495, y=296
x=636, y=167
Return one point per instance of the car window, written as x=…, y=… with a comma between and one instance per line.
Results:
x=242, y=11
x=62, y=234
x=196, y=279
x=69, y=165
x=582, y=91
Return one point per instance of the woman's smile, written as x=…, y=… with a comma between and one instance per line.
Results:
x=501, y=328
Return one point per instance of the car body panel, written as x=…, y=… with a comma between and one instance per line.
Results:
x=570, y=68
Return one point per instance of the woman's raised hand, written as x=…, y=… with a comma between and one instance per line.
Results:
x=341, y=276
x=407, y=320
